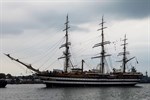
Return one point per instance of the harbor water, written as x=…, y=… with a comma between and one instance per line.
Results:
x=39, y=92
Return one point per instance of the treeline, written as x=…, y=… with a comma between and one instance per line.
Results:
x=30, y=79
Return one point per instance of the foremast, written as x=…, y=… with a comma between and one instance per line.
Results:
x=66, y=45
x=66, y=53
x=102, y=44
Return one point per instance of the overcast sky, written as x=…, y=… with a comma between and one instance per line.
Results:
x=32, y=31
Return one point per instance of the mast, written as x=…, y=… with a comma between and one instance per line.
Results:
x=102, y=44
x=103, y=51
x=66, y=45
x=124, y=53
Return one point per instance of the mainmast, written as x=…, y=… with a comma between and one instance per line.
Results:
x=102, y=44
x=103, y=50
x=66, y=45
x=124, y=53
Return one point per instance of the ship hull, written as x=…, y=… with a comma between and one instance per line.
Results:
x=85, y=82
x=3, y=83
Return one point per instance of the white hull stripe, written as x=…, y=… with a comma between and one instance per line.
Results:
x=92, y=83
x=86, y=79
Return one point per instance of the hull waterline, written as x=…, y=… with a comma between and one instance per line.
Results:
x=88, y=84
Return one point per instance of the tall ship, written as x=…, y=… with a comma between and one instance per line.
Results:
x=79, y=77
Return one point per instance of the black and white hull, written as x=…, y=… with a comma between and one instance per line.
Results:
x=61, y=81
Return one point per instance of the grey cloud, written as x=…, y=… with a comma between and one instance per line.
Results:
x=132, y=9
x=79, y=13
x=18, y=28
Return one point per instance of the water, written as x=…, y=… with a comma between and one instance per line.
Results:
x=39, y=92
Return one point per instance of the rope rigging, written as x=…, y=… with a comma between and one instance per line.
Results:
x=37, y=44
x=51, y=48
x=53, y=52
x=51, y=64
